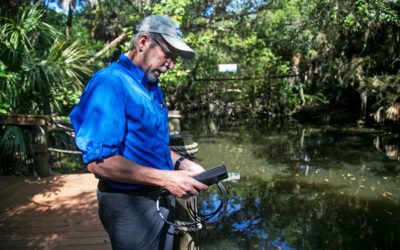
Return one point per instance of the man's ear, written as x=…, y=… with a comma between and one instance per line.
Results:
x=142, y=42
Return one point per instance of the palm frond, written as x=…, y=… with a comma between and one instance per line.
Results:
x=37, y=61
x=13, y=140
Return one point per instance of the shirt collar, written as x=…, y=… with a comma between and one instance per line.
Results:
x=131, y=67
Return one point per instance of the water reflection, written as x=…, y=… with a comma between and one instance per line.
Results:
x=303, y=187
x=390, y=148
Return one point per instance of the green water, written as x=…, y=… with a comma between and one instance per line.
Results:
x=302, y=186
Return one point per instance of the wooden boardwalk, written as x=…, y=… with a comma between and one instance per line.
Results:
x=58, y=212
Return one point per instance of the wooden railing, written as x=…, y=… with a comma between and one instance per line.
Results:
x=39, y=126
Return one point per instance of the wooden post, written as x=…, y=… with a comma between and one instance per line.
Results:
x=174, y=117
x=183, y=239
x=41, y=153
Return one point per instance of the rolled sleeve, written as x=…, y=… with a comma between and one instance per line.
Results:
x=96, y=150
x=99, y=118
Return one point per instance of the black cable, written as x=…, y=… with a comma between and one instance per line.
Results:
x=207, y=217
x=197, y=217
x=196, y=237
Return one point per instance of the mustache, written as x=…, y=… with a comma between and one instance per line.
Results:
x=151, y=73
x=161, y=70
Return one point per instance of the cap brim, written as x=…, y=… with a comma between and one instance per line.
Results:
x=184, y=51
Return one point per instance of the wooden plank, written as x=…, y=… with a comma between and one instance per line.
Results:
x=87, y=247
x=58, y=212
x=53, y=242
x=26, y=120
x=52, y=229
x=68, y=234
x=46, y=224
x=51, y=217
x=101, y=246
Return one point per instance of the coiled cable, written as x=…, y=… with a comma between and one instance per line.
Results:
x=198, y=218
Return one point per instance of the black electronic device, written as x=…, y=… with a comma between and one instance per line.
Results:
x=208, y=177
x=212, y=176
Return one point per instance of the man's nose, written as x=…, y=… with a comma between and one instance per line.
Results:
x=170, y=64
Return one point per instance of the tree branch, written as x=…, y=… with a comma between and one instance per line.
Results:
x=108, y=46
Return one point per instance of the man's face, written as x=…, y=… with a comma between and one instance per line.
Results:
x=158, y=60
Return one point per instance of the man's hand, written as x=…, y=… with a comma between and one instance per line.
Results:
x=181, y=184
x=191, y=167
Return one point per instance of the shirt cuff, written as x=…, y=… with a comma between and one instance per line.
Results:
x=98, y=151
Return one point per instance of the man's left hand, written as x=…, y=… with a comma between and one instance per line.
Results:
x=192, y=167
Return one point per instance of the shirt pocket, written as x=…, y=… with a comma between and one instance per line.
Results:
x=141, y=119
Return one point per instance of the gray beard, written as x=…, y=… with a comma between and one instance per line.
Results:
x=151, y=77
x=151, y=74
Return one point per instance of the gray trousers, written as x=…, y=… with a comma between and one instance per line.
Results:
x=132, y=221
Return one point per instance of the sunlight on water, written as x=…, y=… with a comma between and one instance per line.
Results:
x=345, y=177
x=304, y=188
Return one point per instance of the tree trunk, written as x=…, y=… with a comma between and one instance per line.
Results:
x=69, y=19
x=363, y=109
x=303, y=100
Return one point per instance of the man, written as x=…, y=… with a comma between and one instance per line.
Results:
x=121, y=126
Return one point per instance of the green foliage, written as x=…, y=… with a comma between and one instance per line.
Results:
x=40, y=73
x=370, y=13
x=36, y=63
x=344, y=48
x=4, y=107
x=262, y=37
x=14, y=149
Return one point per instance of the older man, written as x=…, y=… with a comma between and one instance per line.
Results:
x=121, y=126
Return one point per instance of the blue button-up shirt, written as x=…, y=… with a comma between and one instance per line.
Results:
x=117, y=115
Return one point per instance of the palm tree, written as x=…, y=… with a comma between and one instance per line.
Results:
x=36, y=66
x=71, y=5
x=36, y=63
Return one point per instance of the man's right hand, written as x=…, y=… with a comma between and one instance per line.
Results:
x=180, y=184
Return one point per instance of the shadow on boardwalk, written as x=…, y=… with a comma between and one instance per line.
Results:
x=50, y=213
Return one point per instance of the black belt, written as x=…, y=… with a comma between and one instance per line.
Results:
x=145, y=190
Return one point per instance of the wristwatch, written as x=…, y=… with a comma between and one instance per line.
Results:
x=178, y=162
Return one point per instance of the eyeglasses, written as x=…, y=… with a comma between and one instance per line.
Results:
x=166, y=50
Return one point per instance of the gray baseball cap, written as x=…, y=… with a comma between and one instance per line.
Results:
x=170, y=31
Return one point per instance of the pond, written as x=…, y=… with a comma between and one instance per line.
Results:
x=301, y=186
